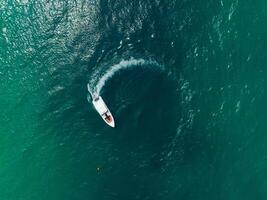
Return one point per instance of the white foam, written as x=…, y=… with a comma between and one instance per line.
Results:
x=124, y=64
x=115, y=68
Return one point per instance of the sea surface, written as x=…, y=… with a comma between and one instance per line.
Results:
x=186, y=81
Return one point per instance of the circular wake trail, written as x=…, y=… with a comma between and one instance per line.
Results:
x=124, y=64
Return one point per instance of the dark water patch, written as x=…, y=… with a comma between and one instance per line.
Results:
x=142, y=132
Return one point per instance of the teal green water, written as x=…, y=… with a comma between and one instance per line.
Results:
x=185, y=81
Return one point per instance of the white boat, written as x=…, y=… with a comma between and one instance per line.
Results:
x=103, y=110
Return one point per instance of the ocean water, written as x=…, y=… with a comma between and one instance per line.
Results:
x=185, y=80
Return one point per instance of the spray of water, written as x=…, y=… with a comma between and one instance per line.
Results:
x=124, y=64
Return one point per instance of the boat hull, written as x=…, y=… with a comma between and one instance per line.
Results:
x=103, y=111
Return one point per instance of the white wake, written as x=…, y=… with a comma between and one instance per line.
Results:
x=124, y=64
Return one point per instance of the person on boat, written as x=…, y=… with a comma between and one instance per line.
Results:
x=108, y=118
